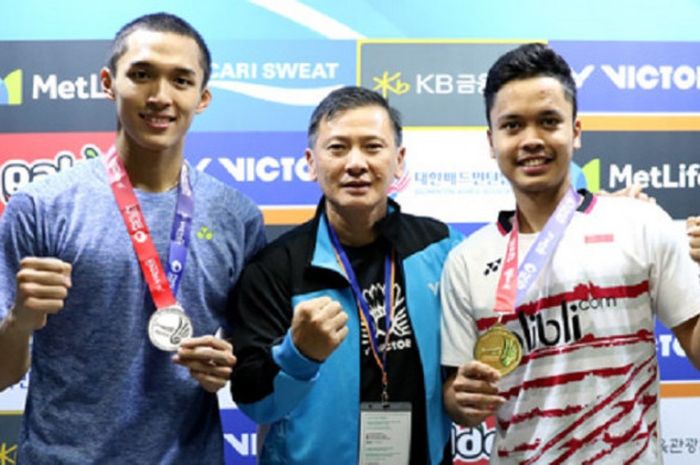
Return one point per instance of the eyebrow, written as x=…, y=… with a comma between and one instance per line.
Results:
x=512, y=116
x=362, y=138
x=178, y=69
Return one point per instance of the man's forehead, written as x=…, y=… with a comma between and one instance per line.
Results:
x=368, y=110
x=539, y=94
x=144, y=45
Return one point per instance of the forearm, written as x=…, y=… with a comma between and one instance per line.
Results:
x=694, y=351
x=688, y=335
x=268, y=385
x=14, y=352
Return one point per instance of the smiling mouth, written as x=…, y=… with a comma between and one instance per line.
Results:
x=157, y=120
x=534, y=162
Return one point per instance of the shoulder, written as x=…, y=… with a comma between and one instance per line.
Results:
x=424, y=224
x=627, y=210
x=419, y=232
x=83, y=176
x=210, y=190
x=291, y=249
x=84, y=184
x=484, y=241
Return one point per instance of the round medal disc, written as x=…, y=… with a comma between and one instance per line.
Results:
x=499, y=348
x=167, y=328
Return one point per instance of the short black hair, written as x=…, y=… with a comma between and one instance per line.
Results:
x=349, y=98
x=159, y=22
x=524, y=62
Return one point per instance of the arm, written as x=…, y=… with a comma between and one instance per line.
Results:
x=14, y=352
x=688, y=335
x=471, y=393
x=676, y=287
x=32, y=288
x=42, y=286
x=279, y=349
x=688, y=332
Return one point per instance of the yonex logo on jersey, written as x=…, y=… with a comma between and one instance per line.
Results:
x=492, y=267
x=205, y=233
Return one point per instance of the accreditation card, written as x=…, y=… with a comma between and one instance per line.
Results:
x=385, y=433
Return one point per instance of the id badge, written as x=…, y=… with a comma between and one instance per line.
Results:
x=385, y=433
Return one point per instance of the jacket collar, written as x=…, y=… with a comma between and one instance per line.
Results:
x=323, y=253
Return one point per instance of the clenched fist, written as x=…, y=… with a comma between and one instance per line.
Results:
x=42, y=287
x=318, y=327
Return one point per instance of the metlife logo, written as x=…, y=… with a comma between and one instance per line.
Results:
x=635, y=76
x=666, y=164
x=53, y=87
x=11, y=88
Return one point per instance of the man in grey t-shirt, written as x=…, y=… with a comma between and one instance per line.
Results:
x=100, y=391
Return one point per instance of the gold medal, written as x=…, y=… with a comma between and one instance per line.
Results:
x=499, y=348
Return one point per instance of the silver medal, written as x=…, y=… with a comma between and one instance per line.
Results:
x=168, y=327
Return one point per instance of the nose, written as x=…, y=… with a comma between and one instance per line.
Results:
x=531, y=139
x=356, y=161
x=159, y=93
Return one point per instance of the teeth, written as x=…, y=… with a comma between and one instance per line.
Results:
x=534, y=162
x=158, y=119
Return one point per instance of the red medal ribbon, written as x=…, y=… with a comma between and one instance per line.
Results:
x=141, y=239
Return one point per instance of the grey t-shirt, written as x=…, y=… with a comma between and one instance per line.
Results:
x=99, y=391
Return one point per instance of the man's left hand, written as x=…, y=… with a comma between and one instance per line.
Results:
x=693, y=227
x=209, y=359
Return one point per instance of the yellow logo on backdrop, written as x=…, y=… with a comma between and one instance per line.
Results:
x=393, y=84
x=8, y=454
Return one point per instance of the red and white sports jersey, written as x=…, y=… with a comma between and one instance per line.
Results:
x=586, y=390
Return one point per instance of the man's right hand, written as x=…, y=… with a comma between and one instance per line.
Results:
x=471, y=394
x=318, y=327
x=42, y=287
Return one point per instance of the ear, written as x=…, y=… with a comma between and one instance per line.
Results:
x=311, y=163
x=107, y=82
x=489, y=136
x=400, y=162
x=577, y=134
x=204, y=100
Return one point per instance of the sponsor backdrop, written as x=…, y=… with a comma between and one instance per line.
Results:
x=274, y=60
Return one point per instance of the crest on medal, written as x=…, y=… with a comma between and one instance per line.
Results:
x=168, y=327
x=499, y=348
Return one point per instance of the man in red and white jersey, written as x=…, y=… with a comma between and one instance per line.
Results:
x=548, y=314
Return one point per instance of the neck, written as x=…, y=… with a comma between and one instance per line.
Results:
x=150, y=171
x=535, y=209
x=355, y=228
